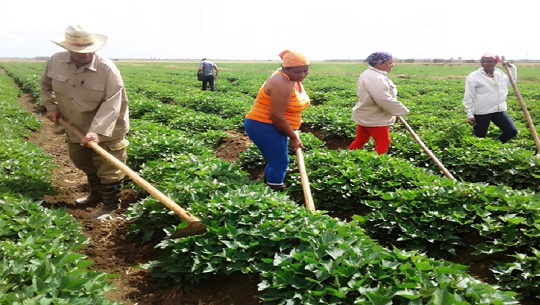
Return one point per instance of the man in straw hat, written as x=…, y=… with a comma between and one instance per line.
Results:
x=87, y=91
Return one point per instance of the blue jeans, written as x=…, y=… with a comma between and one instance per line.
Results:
x=273, y=145
x=501, y=120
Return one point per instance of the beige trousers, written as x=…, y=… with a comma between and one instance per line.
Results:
x=92, y=163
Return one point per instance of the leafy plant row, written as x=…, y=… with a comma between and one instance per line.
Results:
x=301, y=258
x=416, y=210
x=182, y=181
x=39, y=259
x=436, y=112
x=248, y=224
x=40, y=263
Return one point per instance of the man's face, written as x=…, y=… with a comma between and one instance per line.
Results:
x=488, y=63
x=81, y=58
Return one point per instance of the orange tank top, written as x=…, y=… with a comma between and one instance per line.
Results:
x=299, y=101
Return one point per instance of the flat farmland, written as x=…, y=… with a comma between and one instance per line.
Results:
x=384, y=224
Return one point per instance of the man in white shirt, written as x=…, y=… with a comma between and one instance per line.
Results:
x=486, y=90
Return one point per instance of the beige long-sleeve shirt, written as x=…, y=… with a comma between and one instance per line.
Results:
x=92, y=97
x=377, y=100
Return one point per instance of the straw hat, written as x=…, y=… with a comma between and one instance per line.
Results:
x=78, y=40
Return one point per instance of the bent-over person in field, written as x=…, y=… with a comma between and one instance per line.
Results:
x=87, y=91
x=276, y=116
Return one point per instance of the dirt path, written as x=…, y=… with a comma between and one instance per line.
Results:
x=112, y=251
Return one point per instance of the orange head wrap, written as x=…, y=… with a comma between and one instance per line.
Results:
x=293, y=59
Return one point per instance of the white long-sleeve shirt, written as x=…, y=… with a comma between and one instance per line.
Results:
x=483, y=94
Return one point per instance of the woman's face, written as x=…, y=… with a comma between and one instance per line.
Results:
x=297, y=74
x=81, y=59
x=386, y=66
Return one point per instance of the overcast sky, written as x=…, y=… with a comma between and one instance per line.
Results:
x=259, y=30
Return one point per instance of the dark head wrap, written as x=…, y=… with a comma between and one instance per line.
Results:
x=378, y=57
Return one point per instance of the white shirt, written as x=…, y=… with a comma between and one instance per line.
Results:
x=483, y=94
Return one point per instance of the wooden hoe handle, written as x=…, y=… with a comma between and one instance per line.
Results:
x=183, y=214
x=523, y=108
x=426, y=150
x=310, y=206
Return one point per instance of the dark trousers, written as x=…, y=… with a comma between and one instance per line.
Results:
x=209, y=79
x=501, y=120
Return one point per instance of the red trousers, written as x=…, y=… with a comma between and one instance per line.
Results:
x=381, y=136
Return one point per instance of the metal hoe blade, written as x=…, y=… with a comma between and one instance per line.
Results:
x=194, y=228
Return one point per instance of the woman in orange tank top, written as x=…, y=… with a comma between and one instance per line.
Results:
x=276, y=116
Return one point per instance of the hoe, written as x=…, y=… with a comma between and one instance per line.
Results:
x=194, y=225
